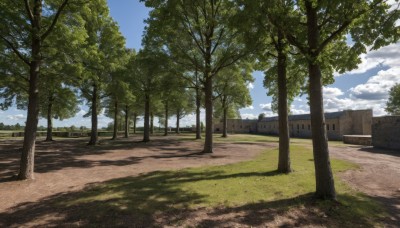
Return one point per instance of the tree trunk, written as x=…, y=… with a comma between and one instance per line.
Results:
x=284, y=140
x=134, y=123
x=166, y=119
x=178, y=117
x=49, y=134
x=93, y=134
x=198, y=106
x=208, y=144
x=325, y=188
x=115, y=132
x=126, y=121
x=146, y=128
x=225, y=123
x=28, y=149
x=151, y=123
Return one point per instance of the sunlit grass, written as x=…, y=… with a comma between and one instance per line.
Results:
x=253, y=182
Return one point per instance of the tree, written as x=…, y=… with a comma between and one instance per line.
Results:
x=183, y=104
x=58, y=98
x=104, y=54
x=148, y=69
x=393, y=103
x=318, y=30
x=261, y=116
x=25, y=26
x=208, y=44
x=232, y=91
x=120, y=94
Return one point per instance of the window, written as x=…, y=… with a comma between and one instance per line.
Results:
x=302, y=126
x=333, y=127
x=309, y=127
x=233, y=126
x=327, y=127
x=298, y=127
x=240, y=126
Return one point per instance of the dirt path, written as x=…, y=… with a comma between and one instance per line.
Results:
x=379, y=176
x=68, y=165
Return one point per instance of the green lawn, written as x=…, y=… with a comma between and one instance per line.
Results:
x=247, y=184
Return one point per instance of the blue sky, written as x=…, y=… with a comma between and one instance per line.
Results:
x=365, y=87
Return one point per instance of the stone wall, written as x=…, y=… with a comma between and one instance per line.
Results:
x=357, y=139
x=356, y=122
x=236, y=126
x=386, y=132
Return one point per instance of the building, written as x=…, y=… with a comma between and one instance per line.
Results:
x=348, y=122
x=236, y=126
x=386, y=132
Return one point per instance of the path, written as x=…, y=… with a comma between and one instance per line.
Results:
x=379, y=176
x=68, y=165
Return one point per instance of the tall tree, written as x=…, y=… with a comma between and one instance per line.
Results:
x=120, y=93
x=275, y=55
x=182, y=104
x=318, y=30
x=393, y=103
x=232, y=91
x=148, y=69
x=207, y=28
x=25, y=26
x=102, y=57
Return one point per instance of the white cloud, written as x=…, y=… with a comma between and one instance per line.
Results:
x=332, y=92
x=251, y=107
x=301, y=109
x=248, y=116
x=386, y=56
x=16, y=117
x=250, y=85
x=266, y=107
x=378, y=86
x=372, y=94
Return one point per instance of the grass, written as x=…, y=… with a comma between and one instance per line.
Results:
x=249, y=185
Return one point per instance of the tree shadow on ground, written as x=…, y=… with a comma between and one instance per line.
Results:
x=375, y=150
x=69, y=153
x=158, y=199
x=393, y=206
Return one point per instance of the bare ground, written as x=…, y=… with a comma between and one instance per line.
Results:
x=66, y=167
x=378, y=177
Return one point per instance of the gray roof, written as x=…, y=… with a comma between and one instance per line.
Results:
x=330, y=115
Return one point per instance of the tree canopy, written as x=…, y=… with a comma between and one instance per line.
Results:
x=393, y=103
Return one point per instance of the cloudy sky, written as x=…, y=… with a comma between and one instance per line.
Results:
x=364, y=88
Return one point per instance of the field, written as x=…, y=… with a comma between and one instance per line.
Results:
x=167, y=182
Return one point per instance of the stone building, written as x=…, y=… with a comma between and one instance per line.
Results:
x=348, y=122
x=236, y=126
x=386, y=132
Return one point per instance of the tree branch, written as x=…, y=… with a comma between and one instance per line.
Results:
x=18, y=53
x=28, y=11
x=333, y=35
x=53, y=23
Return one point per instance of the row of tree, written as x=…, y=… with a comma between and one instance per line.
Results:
x=298, y=43
x=58, y=54
x=194, y=54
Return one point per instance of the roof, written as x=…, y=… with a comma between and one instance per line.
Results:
x=329, y=115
